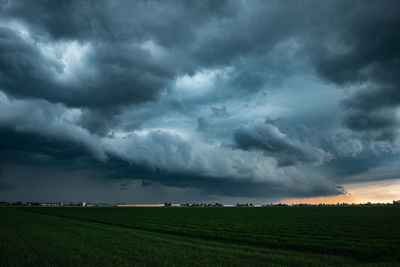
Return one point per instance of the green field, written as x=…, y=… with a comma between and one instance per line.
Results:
x=288, y=236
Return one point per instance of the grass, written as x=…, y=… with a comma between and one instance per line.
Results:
x=281, y=236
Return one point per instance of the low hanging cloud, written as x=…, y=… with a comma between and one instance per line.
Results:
x=270, y=140
x=35, y=126
x=374, y=114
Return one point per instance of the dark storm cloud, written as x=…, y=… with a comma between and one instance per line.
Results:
x=61, y=19
x=269, y=139
x=154, y=91
x=22, y=69
x=118, y=68
x=363, y=48
x=220, y=35
x=372, y=113
x=225, y=186
x=341, y=169
x=31, y=151
x=362, y=45
x=4, y=185
x=29, y=125
x=34, y=148
x=109, y=75
x=99, y=121
x=74, y=19
x=158, y=157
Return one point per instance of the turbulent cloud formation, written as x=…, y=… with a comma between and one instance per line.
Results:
x=198, y=100
x=271, y=141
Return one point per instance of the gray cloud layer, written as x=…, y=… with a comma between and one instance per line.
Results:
x=229, y=98
x=269, y=139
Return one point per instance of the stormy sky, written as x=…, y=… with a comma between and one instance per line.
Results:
x=153, y=101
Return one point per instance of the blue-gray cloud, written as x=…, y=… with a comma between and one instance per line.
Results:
x=229, y=98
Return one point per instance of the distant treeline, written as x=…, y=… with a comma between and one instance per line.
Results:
x=169, y=204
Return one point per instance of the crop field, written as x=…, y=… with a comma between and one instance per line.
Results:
x=281, y=236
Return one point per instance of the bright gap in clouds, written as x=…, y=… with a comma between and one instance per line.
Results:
x=199, y=83
x=67, y=57
x=374, y=192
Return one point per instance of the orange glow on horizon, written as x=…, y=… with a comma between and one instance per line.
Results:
x=345, y=198
x=374, y=192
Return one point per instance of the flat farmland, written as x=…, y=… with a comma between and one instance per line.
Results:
x=280, y=236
